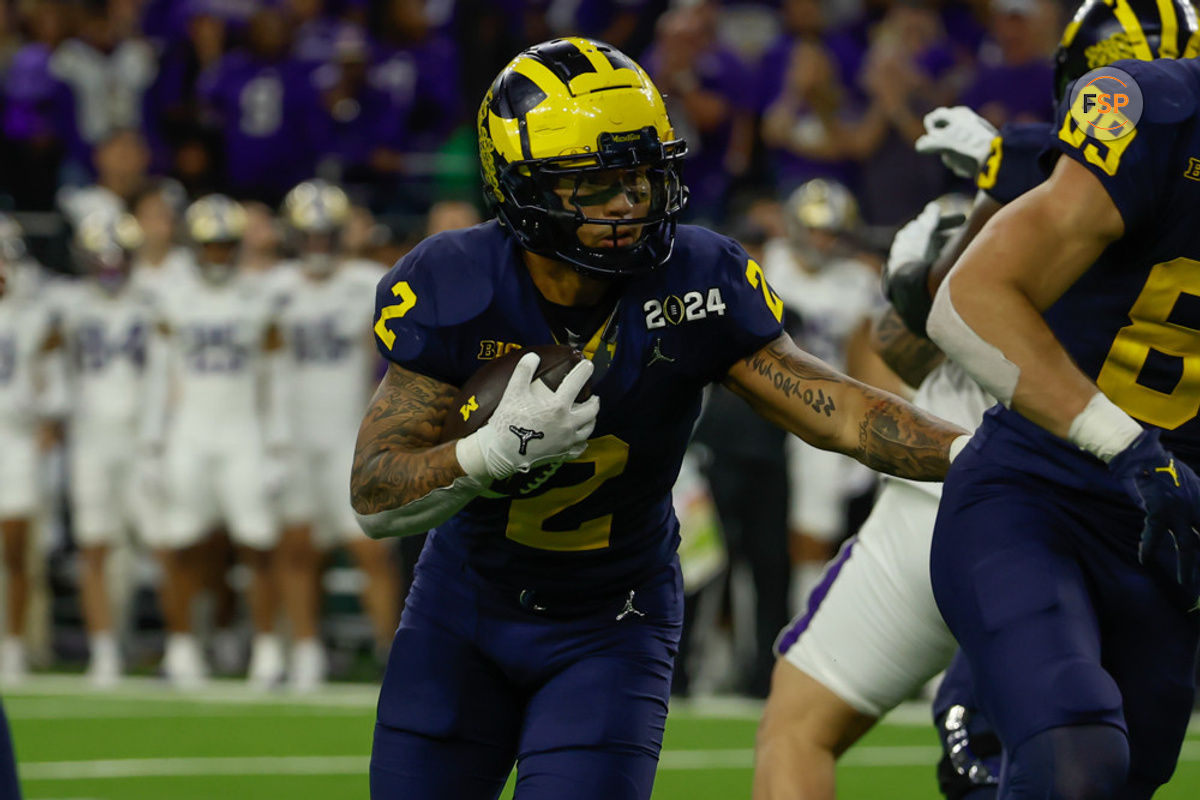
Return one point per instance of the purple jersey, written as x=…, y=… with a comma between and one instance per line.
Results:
x=422, y=83
x=35, y=102
x=261, y=107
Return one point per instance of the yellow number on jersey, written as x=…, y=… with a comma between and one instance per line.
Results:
x=1072, y=134
x=991, y=168
x=527, y=516
x=754, y=274
x=408, y=299
x=1150, y=329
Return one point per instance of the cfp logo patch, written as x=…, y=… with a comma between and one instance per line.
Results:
x=675, y=310
x=1106, y=103
x=490, y=349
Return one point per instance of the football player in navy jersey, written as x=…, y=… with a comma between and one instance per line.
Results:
x=1064, y=557
x=874, y=634
x=542, y=628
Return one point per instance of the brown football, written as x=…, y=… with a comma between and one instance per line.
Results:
x=479, y=396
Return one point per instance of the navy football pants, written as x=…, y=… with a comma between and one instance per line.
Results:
x=475, y=682
x=1035, y=575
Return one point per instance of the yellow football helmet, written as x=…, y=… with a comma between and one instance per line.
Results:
x=215, y=218
x=316, y=206
x=103, y=245
x=559, y=112
x=1101, y=32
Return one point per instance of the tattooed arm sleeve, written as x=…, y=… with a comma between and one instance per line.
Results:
x=404, y=482
x=827, y=409
x=910, y=356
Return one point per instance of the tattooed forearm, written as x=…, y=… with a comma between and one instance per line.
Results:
x=397, y=459
x=910, y=356
x=795, y=379
x=900, y=439
x=811, y=399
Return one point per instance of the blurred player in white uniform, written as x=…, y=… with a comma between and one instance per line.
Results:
x=215, y=415
x=871, y=635
x=24, y=336
x=160, y=260
x=104, y=324
x=326, y=304
x=816, y=273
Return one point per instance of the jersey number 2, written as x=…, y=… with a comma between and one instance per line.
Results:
x=1151, y=330
x=527, y=517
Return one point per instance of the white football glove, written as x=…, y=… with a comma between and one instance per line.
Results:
x=915, y=239
x=532, y=424
x=960, y=136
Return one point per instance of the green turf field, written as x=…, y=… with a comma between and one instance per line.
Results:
x=142, y=742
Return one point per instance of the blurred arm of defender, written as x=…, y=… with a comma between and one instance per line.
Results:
x=908, y=354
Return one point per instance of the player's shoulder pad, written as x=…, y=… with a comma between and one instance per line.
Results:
x=1170, y=88
x=707, y=254
x=450, y=275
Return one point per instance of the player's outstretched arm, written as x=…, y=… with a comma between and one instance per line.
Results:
x=827, y=409
x=988, y=313
x=397, y=458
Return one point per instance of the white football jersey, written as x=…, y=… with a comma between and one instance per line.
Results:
x=25, y=317
x=178, y=267
x=106, y=337
x=217, y=333
x=831, y=303
x=326, y=326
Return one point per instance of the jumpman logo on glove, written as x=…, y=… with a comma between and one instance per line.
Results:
x=526, y=435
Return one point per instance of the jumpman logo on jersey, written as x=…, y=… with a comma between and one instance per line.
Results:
x=629, y=609
x=525, y=435
x=658, y=354
x=1170, y=470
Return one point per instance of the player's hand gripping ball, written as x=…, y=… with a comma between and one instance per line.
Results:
x=480, y=396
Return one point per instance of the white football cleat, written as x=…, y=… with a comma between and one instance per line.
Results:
x=309, y=665
x=104, y=668
x=267, y=662
x=183, y=663
x=14, y=666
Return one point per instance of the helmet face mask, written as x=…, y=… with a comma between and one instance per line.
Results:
x=820, y=216
x=579, y=160
x=316, y=211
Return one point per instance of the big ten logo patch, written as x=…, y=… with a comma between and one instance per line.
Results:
x=1192, y=172
x=1106, y=104
x=674, y=309
x=491, y=349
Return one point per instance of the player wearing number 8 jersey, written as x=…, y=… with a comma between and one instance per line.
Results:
x=542, y=629
x=1083, y=656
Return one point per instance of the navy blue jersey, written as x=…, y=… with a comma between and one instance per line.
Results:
x=1013, y=166
x=464, y=297
x=1132, y=321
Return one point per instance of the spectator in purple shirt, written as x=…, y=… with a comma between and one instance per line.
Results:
x=258, y=98
x=38, y=114
x=356, y=131
x=1015, y=80
x=704, y=85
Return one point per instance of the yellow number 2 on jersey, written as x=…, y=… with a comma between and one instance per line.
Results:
x=408, y=299
x=754, y=274
x=1150, y=329
x=527, y=517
